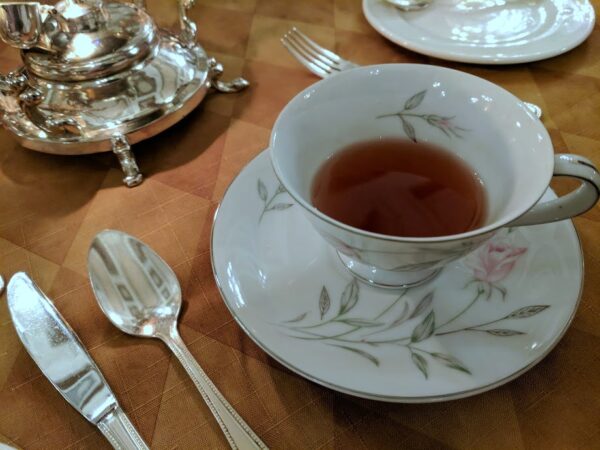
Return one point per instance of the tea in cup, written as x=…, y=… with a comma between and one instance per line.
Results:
x=464, y=157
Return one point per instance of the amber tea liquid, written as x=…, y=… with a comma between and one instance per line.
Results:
x=400, y=188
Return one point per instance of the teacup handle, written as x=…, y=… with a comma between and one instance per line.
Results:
x=574, y=203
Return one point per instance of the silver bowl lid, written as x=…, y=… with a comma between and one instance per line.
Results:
x=87, y=42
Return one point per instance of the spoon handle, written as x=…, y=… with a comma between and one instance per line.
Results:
x=236, y=430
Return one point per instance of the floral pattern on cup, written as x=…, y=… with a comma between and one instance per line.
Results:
x=363, y=335
x=443, y=123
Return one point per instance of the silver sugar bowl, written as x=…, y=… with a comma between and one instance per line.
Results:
x=100, y=75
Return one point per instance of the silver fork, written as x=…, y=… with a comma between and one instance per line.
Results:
x=323, y=62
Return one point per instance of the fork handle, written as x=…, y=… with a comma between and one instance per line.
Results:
x=236, y=430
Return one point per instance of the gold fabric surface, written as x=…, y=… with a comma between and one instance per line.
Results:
x=52, y=206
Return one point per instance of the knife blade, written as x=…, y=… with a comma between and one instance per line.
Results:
x=63, y=359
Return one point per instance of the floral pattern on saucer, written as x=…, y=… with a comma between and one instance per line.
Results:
x=483, y=321
x=268, y=204
x=491, y=264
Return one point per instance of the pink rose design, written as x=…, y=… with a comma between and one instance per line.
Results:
x=495, y=260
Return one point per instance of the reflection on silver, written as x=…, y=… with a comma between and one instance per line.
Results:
x=215, y=72
x=61, y=357
x=20, y=24
x=121, y=148
x=93, y=69
x=140, y=295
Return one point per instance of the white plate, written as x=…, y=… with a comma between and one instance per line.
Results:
x=486, y=31
x=286, y=289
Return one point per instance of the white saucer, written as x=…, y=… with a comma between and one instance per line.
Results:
x=486, y=31
x=287, y=288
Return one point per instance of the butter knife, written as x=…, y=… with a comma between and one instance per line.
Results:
x=61, y=357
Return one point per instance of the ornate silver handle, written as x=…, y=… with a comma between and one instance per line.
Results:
x=15, y=84
x=215, y=70
x=236, y=430
x=188, y=27
x=120, y=432
x=187, y=36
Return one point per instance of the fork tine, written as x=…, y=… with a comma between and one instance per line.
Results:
x=314, y=68
x=329, y=54
x=311, y=52
x=307, y=55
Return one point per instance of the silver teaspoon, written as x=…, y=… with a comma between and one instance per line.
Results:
x=140, y=295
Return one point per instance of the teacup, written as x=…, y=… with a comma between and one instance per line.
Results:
x=476, y=120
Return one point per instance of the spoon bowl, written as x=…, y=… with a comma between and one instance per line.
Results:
x=140, y=295
x=135, y=288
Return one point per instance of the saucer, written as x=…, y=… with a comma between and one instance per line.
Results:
x=486, y=31
x=480, y=323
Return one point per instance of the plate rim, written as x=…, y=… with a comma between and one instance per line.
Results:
x=379, y=397
x=462, y=57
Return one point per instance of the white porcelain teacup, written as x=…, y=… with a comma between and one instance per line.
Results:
x=476, y=120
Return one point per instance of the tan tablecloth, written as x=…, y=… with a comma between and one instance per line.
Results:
x=51, y=206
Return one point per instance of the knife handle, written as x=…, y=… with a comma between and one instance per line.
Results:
x=120, y=432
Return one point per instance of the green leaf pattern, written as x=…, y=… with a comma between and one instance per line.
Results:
x=407, y=115
x=268, y=204
x=503, y=333
x=425, y=329
x=360, y=352
x=324, y=302
x=415, y=100
x=423, y=305
x=349, y=297
x=409, y=130
x=451, y=361
x=356, y=322
x=364, y=335
x=298, y=318
x=421, y=363
x=280, y=206
x=262, y=190
x=527, y=311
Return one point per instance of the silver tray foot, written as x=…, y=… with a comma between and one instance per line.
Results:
x=215, y=71
x=122, y=149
